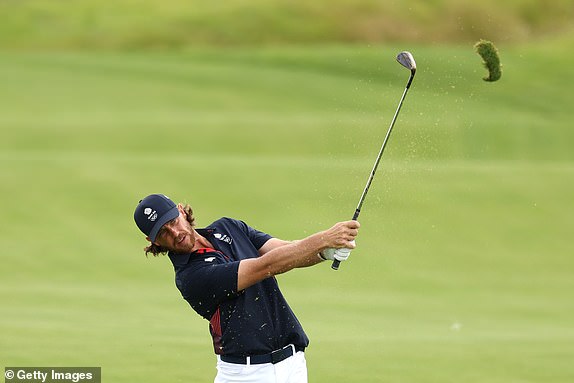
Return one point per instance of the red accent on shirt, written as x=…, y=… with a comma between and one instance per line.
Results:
x=215, y=329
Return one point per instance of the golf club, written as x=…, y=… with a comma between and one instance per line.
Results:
x=407, y=60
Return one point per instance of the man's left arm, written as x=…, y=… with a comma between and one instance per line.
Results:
x=274, y=243
x=269, y=243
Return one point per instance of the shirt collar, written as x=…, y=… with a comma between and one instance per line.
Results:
x=178, y=259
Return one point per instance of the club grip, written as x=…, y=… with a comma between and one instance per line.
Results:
x=336, y=263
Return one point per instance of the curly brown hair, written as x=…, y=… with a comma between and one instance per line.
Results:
x=156, y=250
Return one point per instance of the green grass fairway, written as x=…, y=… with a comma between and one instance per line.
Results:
x=464, y=267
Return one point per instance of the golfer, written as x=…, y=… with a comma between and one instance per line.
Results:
x=226, y=273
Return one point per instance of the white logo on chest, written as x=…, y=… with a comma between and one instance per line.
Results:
x=210, y=259
x=223, y=237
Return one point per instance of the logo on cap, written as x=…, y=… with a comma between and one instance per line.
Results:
x=151, y=215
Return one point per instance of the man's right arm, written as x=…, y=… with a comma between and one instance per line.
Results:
x=296, y=254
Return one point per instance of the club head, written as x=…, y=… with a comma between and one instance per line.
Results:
x=407, y=60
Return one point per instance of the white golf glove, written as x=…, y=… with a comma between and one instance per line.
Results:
x=339, y=254
x=328, y=254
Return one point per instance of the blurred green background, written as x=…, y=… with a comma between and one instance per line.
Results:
x=273, y=112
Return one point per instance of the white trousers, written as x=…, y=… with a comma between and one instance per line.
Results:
x=290, y=370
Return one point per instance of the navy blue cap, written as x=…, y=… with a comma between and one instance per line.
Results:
x=153, y=212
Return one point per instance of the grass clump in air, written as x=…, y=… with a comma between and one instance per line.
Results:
x=491, y=61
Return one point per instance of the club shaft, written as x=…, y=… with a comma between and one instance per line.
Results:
x=378, y=160
x=336, y=263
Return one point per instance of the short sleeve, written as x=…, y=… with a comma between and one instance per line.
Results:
x=257, y=238
x=206, y=285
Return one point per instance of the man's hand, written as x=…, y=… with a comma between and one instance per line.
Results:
x=327, y=254
x=341, y=240
x=342, y=235
x=342, y=254
x=331, y=254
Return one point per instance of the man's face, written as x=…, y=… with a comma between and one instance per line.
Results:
x=176, y=235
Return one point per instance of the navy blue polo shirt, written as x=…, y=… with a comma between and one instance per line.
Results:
x=254, y=321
